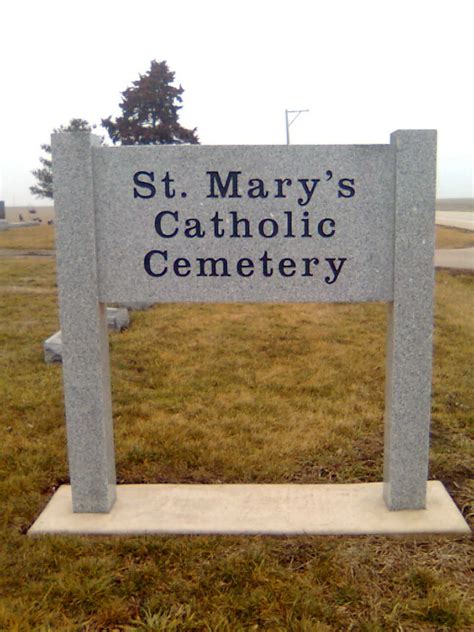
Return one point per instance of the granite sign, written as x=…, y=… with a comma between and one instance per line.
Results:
x=243, y=223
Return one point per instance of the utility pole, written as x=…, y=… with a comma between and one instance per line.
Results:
x=288, y=122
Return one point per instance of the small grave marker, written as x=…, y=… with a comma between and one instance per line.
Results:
x=117, y=320
x=3, y=222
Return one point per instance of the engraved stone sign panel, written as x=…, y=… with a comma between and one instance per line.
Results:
x=245, y=223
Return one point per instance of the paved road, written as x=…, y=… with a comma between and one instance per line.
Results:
x=456, y=219
x=457, y=258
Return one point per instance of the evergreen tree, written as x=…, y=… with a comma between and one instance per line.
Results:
x=44, y=175
x=150, y=111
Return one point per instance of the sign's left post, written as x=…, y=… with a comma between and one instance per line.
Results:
x=86, y=367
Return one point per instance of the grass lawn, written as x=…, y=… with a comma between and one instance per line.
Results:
x=447, y=237
x=30, y=237
x=229, y=393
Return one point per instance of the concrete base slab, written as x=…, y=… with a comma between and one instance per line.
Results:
x=354, y=509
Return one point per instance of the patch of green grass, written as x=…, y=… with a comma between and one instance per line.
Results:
x=231, y=393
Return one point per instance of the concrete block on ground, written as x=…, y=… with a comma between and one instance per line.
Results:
x=117, y=320
x=137, y=306
x=52, y=348
x=327, y=509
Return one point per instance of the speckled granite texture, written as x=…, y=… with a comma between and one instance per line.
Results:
x=243, y=223
x=410, y=322
x=362, y=225
x=83, y=328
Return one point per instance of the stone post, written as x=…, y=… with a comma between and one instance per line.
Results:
x=86, y=372
x=410, y=322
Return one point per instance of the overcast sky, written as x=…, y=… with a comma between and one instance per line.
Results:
x=363, y=68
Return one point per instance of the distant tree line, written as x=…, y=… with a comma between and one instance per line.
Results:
x=150, y=112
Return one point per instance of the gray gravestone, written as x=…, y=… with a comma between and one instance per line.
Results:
x=53, y=349
x=117, y=320
x=296, y=224
x=4, y=225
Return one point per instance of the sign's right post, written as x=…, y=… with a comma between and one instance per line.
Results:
x=410, y=322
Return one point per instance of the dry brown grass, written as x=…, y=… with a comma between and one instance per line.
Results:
x=447, y=237
x=28, y=238
x=264, y=393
